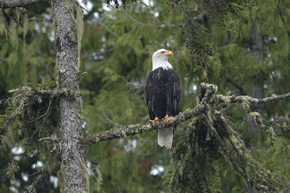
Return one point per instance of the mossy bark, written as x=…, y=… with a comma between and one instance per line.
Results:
x=73, y=166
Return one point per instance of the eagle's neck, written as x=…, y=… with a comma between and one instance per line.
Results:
x=161, y=63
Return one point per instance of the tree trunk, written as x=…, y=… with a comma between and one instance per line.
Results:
x=73, y=166
x=256, y=89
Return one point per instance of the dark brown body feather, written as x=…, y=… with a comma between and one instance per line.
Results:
x=163, y=92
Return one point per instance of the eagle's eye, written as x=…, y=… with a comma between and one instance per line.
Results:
x=163, y=52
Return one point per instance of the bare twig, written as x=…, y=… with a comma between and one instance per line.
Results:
x=49, y=104
x=111, y=121
x=239, y=87
x=4, y=59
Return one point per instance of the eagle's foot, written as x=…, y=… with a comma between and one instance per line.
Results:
x=154, y=121
x=165, y=118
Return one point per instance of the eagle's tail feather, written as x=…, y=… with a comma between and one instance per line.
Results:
x=165, y=137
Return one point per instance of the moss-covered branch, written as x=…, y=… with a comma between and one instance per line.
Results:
x=130, y=130
x=208, y=91
x=210, y=144
x=241, y=99
x=32, y=113
x=18, y=3
x=205, y=97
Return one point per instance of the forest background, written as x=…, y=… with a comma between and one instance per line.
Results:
x=244, y=52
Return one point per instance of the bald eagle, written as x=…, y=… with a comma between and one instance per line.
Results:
x=163, y=93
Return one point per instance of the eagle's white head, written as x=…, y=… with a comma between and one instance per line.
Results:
x=160, y=59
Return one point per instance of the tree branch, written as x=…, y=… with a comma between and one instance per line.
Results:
x=18, y=3
x=30, y=92
x=205, y=98
x=130, y=130
x=240, y=99
x=3, y=59
x=239, y=87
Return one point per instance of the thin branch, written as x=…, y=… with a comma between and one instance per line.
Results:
x=239, y=87
x=36, y=20
x=241, y=99
x=18, y=3
x=53, y=92
x=49, y=139
x=32, y=187
x=45, y=114
x=3, y=59
x=111, y=121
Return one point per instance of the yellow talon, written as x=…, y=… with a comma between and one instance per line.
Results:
x=154, y=121
x=165, y=118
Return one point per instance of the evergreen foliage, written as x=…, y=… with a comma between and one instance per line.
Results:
x=10, y=19
x=211, y=39
x=211, y=144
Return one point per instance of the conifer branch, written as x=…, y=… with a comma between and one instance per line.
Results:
x=18, y=3
x=168, y=25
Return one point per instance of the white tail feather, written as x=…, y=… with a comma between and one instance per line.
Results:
x=165, y=137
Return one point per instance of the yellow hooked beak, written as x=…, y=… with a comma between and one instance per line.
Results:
x=168, y=53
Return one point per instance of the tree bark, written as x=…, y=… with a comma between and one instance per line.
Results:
x=256, y=89
x=73, y=166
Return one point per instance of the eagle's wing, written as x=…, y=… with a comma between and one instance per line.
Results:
x=177, y=94
x=149, y=95
x=174, y=94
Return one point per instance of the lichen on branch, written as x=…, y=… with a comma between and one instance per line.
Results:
x=206, y=98
x=18, y=3
x=211, y=145
x=32, y=113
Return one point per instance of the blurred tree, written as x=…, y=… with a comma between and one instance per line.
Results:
x=241, y=46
